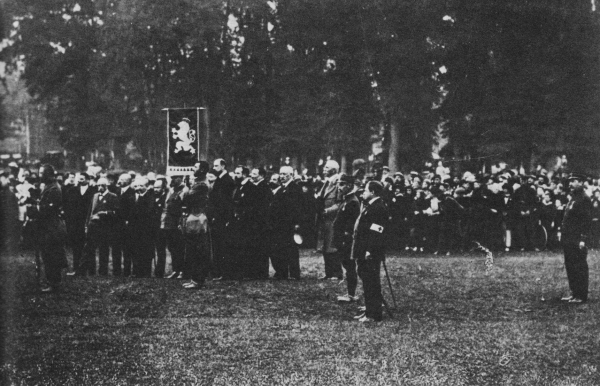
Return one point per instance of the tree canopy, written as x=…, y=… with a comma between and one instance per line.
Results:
x=514, y=80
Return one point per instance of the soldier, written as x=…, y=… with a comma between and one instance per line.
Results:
x=368, y=249
x=52, y=231
x=284, y=221
x=78, y=200
x=99, y=229
x=575, y=232
x=328, y=205
x=343, y=228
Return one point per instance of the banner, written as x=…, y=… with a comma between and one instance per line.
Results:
x=183, y=133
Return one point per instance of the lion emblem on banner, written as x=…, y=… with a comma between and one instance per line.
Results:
x=185, y=136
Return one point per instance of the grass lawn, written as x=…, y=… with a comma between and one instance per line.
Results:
x=454, y=325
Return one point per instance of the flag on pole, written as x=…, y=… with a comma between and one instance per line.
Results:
x=183, y=133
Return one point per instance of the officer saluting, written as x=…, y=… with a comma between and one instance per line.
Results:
x=368, y=249
x=575, y=231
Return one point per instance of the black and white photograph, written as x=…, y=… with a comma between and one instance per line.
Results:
x=300, y=192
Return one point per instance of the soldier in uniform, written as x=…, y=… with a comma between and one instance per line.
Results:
x=52, y=231
x=368, y=249
x=343, y=228
x=575, y=232
x=328, y=204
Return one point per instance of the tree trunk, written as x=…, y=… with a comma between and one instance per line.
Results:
x=394, y=147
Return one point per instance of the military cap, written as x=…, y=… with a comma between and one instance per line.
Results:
x=577, y=176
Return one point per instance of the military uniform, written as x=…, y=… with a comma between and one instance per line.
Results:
x=368, y=249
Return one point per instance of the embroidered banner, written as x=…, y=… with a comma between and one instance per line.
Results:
x=183, y=133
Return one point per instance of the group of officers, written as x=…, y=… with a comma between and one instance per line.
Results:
x=228, y=226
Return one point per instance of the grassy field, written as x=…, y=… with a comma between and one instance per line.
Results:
x=454, y=325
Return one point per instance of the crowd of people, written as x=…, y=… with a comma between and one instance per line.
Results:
x=234, y=225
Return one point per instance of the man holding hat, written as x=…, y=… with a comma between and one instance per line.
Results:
x=575, y=232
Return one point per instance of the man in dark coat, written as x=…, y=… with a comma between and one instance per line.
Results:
x=284, y=221
x=122, y=247
x=526, y=202
x=78, y=200
x=343, y=229
x=258, y=267
x=100, y=230
x=140, y=228
x=241, y=226
x=52, y=231
x=169, y=233
x=575, y=233
x=368, y=249
x=220, y=213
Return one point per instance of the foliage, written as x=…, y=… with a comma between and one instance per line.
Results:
x=454, y=325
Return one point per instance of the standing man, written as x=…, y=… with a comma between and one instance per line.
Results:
x=100, y=228
x=140, y=228
x=241, y=228
x=169, y=234
x=343, y=228
x=52, y=231
x=368, y=249
x=121, y=251
x=259, y=251
x=328, y=204
x=284, y=220
x=77, y=205
x=220, y=207
x=575, y=232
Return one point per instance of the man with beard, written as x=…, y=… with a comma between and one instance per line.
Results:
x=526, y=201
x=122, y=249
x=220, y=213
x=284, y=221
x=100, y=230
x=169, y=233
x=140, y=229
x=241, y=226
x=575, y=232
x=328, y=205
x=343, y=228
x=77, y=205
x=258, y=267
x=51, y=228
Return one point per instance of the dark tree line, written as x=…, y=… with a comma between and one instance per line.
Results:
x=512, y=80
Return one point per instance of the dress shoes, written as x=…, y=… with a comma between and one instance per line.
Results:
x=367, y=320
x=326, y=277
x=360, y=316
x=173, y=275
x=48, y=290
x=180, y=276
x=567, y=298
x=362, y=309
x=192, y=285
x=576, y=301
x=72, y=273
x=347, y=298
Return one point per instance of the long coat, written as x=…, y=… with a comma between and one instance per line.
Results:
x=369, y=231
x=284, y=214
x=328, y=206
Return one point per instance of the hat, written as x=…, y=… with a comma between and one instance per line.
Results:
x=398, y=174
x=413, y=173
x=346, y=178
x=577, y=176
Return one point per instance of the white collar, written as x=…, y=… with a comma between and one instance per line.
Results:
x=373, y=200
